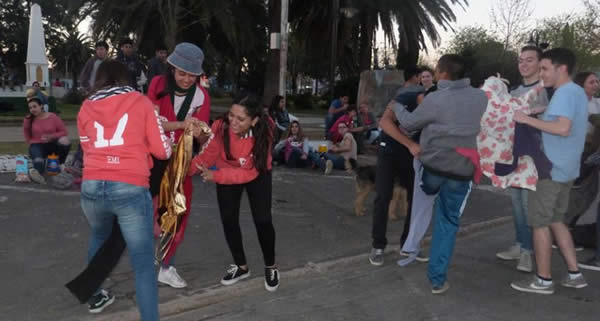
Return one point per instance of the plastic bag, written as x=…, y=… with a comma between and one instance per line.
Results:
x=22, y=171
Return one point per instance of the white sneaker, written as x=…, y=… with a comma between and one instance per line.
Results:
x=513, y=253
x=328, y=167
x=36, y=176
x=525, y=263
x=170, y=277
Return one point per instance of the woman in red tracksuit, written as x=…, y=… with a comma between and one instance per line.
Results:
x=240, y=150
x=181, y=101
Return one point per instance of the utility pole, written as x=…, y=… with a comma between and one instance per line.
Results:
x=334, y=31
x=284, y=48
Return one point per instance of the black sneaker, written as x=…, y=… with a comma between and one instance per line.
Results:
x=100, y=301
x=271, y=279
x=590, y=264
x=234, y=274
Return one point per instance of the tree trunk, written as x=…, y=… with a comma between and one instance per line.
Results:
x=366, y=40
x=271, y=87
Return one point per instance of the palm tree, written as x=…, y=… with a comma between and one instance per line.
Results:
x=414, y=20
x=72, y=53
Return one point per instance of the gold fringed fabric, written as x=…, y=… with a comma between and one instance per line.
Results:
x=172, y=201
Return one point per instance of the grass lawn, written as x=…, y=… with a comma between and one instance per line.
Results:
x=21, y=148
x=13, y=148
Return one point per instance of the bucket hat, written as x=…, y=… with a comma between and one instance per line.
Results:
x=187, y=57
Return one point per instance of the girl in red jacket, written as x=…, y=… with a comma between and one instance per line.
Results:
x=241, y=152
x=181, y=101
x=119, y=130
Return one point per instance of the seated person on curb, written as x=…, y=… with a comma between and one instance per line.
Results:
x=46, y=134
x=338, y=154
x=367, y=130
x=336, y=110
x=348, y=119
x=293, y=149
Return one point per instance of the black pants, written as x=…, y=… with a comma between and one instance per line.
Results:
x=391, y=167
x=259, y=196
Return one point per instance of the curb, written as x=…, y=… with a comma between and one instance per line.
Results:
x=218, y=293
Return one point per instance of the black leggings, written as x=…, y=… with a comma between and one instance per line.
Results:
x=259, y=196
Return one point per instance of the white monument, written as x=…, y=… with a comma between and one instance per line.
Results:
x=37, y=62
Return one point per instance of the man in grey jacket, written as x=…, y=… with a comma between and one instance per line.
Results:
x=449, y=119
x=88, y=73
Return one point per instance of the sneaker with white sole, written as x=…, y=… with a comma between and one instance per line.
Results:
x=578, y=248
x=421, y=256
x=439, y=289
x=328, y=166
x=576, y=283
x=525, y=263
x=533, y=285
x=592, y=263
x=271, y=279
x=100, y=301
x=376, y=257
x=171, y=278
x=234, y=274
x=513, y=253
x=36, y=176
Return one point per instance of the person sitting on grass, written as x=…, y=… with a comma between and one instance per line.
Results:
x=46, y=134
x=338, y=154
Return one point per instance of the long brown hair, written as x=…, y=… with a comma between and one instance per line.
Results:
x=300, y=136
x=262, y=131
x=30, y=116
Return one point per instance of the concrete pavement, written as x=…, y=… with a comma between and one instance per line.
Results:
x=45, y=241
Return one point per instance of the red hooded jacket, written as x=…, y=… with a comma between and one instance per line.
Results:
x=118, y=134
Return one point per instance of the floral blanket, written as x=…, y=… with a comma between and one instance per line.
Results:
x=496, y=138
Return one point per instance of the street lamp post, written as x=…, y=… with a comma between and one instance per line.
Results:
x=334, y=32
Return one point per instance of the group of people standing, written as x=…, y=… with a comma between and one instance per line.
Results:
x=430, y=144
x=127, y=138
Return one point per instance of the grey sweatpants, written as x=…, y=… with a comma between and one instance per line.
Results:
x=421, y=212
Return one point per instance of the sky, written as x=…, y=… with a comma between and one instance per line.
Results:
x=478, y=13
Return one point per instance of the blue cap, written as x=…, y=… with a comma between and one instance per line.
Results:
x=187, y=57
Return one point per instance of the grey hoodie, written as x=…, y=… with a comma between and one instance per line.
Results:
x=449, y=118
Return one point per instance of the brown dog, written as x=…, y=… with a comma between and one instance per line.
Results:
x=365, y=183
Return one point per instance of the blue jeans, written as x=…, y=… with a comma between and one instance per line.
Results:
x=448, y=208
x=522, y=230
x=101, y=202
x=40, y=151
x=339, y=162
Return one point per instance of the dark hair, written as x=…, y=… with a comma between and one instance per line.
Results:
x=411, y=71
x=30, y=116
x=160, y=47
x=262, y=131
x=101, y=43
x=274, y=107
x=111, y=73
x=350, y=108
x=537, y=50
x=452, y=64
x=288, y=132
x=561, y=56
x=125, y=41
x=581, y=77
x=170, y=82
